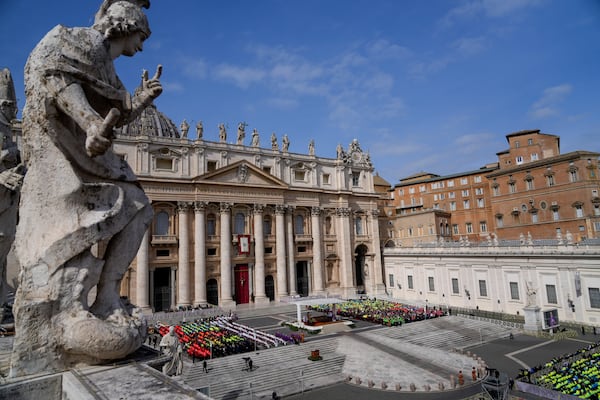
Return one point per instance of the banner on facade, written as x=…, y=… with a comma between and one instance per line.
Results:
x=244, y=244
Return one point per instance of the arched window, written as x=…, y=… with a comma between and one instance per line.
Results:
x=299, y=225
x=161, y=227
x=239, y=227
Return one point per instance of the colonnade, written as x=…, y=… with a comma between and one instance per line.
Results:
x=194, y=292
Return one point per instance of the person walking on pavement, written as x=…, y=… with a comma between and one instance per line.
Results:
x=474, y=374
x=250, y=364
x=204, y=366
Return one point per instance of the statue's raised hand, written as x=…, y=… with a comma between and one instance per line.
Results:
x=152, y=87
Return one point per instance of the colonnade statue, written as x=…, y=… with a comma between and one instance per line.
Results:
x=82, y=213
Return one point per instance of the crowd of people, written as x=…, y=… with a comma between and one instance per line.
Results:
x=380, y=311
x=576, y=374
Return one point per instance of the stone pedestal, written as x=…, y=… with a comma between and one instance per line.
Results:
x=533, y=319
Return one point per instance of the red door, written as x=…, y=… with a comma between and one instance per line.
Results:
x=242, y=291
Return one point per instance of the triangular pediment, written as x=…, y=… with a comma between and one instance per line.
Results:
x=241, y=173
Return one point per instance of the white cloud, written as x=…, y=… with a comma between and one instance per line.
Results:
x=486, y=8
x=240, y=76
x=384, y=49
x=194, y=68
x=175, y=87
x=470, y=46
x=547, y=105
x=474, y=143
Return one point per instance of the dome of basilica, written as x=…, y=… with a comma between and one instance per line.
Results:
x=150, y=122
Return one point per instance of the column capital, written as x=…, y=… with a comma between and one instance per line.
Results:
x=343, y=211
x=225, y=207
x=375, y=212
x=258, y=208
x=280, y=209
x=200, y=205
x=183, y=206
x=315, y=211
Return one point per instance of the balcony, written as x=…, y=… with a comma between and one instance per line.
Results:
x=163, y=239
x=302, y=238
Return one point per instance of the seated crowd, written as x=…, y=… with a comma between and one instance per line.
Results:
x=380, y=311
x=220, y=335
x=576, y=374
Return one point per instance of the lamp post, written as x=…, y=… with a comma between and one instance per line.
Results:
x=425, y=308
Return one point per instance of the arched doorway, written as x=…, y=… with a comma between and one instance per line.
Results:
x=212, y=292
x=359, y=266
x=270, y=287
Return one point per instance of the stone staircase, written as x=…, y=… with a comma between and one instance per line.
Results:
x=285, y=369
x=447, y=333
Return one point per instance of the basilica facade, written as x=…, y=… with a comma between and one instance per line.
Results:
x=238, y=222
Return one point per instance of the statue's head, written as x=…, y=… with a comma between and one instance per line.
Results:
x=121, y=18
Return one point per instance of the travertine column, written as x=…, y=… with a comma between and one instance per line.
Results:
x=280, y=247
x=317, y=253
x=226, y=299
x=345, y=251
x=291, y=273
x=142, y=275
x=377, y=272
x=173, y=287
x=183, y=282
x=259, y=255
x=200, y=253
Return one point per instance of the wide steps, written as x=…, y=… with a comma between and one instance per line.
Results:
x=276, y=369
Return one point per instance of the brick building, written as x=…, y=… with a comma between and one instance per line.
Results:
x=532, y=191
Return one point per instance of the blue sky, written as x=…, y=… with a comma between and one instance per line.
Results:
x=423, y=85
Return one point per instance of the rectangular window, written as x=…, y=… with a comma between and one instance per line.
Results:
x=455, y=285
x=482, y=226
x=465, y=192
x=299, y=175
x=519, y=160
x=514, y=290
x=499, y=221
x=326, y=179
x=480, y=203
x=573, y=175
x=431, y=284
x=410, y=282
x=550, y=180
x=496, y=190
x=597, y=226
x=266, y=169
x=529, y=184
x=355, y=178
x=534, y=156
x=530, y=141
x=391, y=279
x=164, y=163
x=479, y=191
x=466, y=204
x=411, y=190
x=512, y=188
x=211, y=251
x=455, y=229
x=469, y=227
x=555, y=215
x=534, y=218
x=422, y=188
x=579, y=211
x=211, y=166
x=477, y=179
x=482, y=288
x=594, y=297
x=450, y=183
x=451, y=195
x=452, y=206
x=551, y=294
x=464, y=181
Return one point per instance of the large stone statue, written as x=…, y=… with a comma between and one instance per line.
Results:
x=241, y=134
x=171, y=346
x=82, y=213
x=11, y=177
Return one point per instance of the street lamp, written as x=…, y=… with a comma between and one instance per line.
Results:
x=425, y=308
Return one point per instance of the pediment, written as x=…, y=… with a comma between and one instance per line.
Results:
x=165, y=152
x=242, y=173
